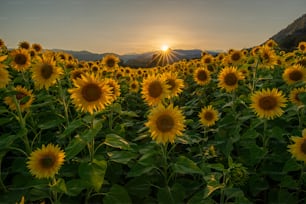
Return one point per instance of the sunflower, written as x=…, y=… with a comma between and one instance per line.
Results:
x=154, y=89
x=207, y=59
x=302, y=46
x=271, y=43
x=24, y=98
x=235, y=57
x=37, y=47
x=46, y=162
x=268, y=57
x=24, y=45
x=294, y=95
x=110, y=61
x=90, y=94
x=165, y=123
x=208, y=116
x=45, y=73
x=294, y=74
x=115, y=87
x=134, y=86
x=201, y=76
x=229, y=77
x=176, y=85
x=298, y=149
x=2, y=44
x=21, y=59
x=268, y=103
x=76, y=73
x=4, y=77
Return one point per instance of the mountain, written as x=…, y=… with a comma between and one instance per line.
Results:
x=289, y=37
x=146, y=59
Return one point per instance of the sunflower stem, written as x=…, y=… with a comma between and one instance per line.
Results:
x=254, y=80
x=62, y=94
x=164, y=148
x=265, y=135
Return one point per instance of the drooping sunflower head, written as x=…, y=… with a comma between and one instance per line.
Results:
x=298, y=148
x=154, y=89
x=90, y=94
x=115, y=87
x=229, y=78
x=46, y=73
x=46, y=161
x=294, y=95
x=208, y=116
x=24, y=45
x=176, y=85
x=294, y=74
x=23, y=96
x=110, y=61
x=302, y=46
x=202, y=76
x=268, y=103
x=165, y=123
x=21, y=59
x=5, y=77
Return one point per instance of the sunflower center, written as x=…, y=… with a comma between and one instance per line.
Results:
x=91, y=92
x=267, y=103
x=20, y=59
x=164, y=123
x=302, y=47
x=235, y=56
x=155, y=89
x=47, y=161
x=46, y=71
x=20, y=95
x=110, y=62
x=171, y=84
x=303, y=147
x=230, y=79
x=202, y=75
x=208, y=116
x=296, y=75
x=207, y=60
x=133, y=86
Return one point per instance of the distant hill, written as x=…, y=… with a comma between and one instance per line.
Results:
x=137, y=60
x=289, y=37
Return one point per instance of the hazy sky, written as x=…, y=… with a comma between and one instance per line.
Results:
x=134, y=26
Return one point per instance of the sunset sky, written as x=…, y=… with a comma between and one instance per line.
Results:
x=135, y=26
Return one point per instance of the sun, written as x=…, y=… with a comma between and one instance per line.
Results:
x=164, y=47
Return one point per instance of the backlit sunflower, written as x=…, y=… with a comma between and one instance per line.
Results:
x=154, y=89
x=4, y=77
x=24, y=45
x=229, y=78
x=176, y=85
x=165, y=123
x=271, y=43
x=46, y=161
x=2, y=44
x=294, y=74
x=110, y=61
x=37, y=47
x=46, y=73
x=298, y=148
x=268, y=57
x=268, y=103
x=201, y=76
x=208, y=116
x=90, y=94
x=21, y=59
x=302, y=46
x=24, y=98
x=294, y=95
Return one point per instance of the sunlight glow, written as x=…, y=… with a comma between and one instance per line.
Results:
x=164, y=47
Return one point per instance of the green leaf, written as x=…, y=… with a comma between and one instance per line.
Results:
x=7, y=140
x=59, y=186
x=71, y=127
x=75, y=186
x=186, y=166
x=138, y=170
x=291, y=165
x=49, y=120
x=93, y=173
x=289, y=182
x=122, y=157
x=117, y=195
x=139, y=186
x=302, y=97
x=75, y=146
x=89, y=135
x=172, y=195
x=116, y=141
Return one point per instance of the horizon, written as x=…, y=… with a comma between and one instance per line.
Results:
x=145, y=26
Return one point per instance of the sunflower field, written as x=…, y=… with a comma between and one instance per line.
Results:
x=229, y=128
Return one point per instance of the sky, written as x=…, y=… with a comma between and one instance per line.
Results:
x=136, y=26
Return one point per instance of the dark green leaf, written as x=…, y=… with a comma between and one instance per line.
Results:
x=74, y=147
x=122, y=157
x=89, y=135
x=117, y=195
x=116, y=141
x=186, y=166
